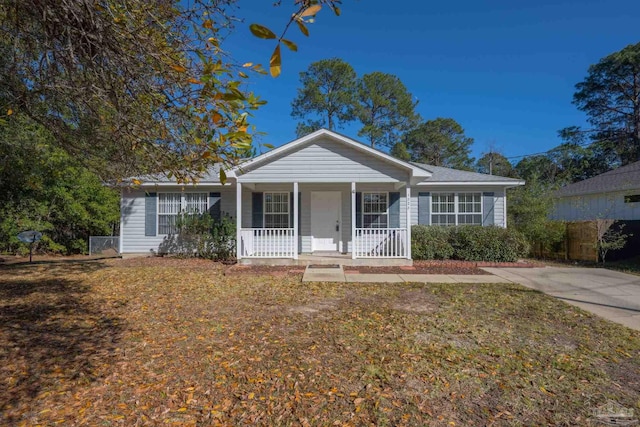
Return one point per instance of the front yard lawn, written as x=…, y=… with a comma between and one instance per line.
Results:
x=170, y=342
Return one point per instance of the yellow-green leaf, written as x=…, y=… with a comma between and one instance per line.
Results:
x=303, y=28
x=243, y=75
x=275, y=63
x=291, y=45
x=9, y=112
x=223, y=176
x=261, y=31
x=179, y=68
x=337, y=10
x=311, y=10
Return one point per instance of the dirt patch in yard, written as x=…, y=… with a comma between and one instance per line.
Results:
x=415, y=301
x=272, y=270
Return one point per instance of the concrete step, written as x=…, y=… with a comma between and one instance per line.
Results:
x=324, y=273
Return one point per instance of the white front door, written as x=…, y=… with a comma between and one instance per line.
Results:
x=325, y=221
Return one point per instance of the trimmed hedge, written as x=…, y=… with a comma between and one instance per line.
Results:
x=431, y=242
x=468, y=243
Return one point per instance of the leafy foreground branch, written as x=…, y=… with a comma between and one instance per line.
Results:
x=177, y=342
x=130, y=86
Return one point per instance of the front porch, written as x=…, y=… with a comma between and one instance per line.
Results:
x=320, y=223
x=329, y=258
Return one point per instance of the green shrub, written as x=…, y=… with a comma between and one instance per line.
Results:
x=468, y=243
x=200, y=236
x=431, y=242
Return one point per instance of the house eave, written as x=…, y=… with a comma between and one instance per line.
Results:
x=471, y=183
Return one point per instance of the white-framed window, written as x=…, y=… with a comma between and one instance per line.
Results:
x=375, y=210
x=276, y=210
x=456, y=209
x=470, y=208
x=171, y=205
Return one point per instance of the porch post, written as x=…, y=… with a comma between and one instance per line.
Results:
x=238, y=220
x=353, y=220
x=504, y=207
x=295, y=220
x=408, y=221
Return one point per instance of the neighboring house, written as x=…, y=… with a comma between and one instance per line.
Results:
x=611, y=195
x=320, y=193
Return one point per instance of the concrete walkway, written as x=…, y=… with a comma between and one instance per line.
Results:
x=337, y=274
x=607, y=293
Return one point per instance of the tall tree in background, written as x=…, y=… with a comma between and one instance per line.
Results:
x=399, y=151
x=385, y=108
x=327, y=96
x=494, y=163
x=440, y=142
x=610, y=96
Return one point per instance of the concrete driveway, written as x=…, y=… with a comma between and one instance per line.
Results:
x=610, y=294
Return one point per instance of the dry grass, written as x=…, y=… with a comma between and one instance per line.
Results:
x=167, y=342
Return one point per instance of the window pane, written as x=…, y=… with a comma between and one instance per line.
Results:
x=169, y=203
x=444, y=219
x=196, y=202
x=167, y=224
x=276, y=210
x=375, y=221
x=469, y=203
x=374, y=210
x=474, y=219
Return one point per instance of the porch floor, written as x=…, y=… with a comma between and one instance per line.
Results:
x=324, y=258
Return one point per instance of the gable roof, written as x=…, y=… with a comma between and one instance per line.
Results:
x=444, y=175
x=620, y=179
x=422, y=174
x=416, y=171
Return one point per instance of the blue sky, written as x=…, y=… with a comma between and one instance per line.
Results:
x=505, y=70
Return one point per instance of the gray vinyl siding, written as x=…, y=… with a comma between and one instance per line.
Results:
x=594, y=206
x=325, y=161
x=133, y=215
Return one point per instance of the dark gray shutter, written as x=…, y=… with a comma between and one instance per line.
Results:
x=215, y=200
x=291, y=210
x=256, y=210
x=150, y=213
x=394, y=210
x=488, y=210
x=424, y=208
x=358, y=210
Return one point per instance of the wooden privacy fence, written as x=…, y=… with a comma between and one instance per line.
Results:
x=579, y=243
x=581, y=239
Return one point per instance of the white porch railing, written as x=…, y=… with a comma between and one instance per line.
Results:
x=381, y=243
x=267, y=243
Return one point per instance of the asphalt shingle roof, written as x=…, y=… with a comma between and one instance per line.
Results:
x=211, y=175
x=442, y=174
x=620, y=179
